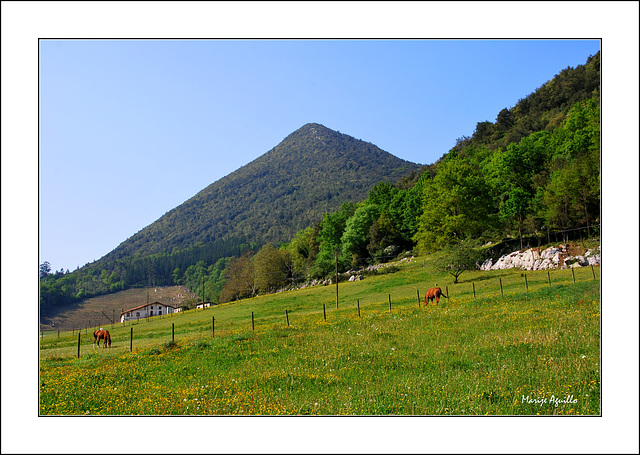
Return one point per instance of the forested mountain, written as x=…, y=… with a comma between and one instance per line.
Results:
x=535, y=169
x=544, y=109
x=311, y=172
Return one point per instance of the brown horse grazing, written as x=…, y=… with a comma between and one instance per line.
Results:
x=101, y=335
x=433, y=293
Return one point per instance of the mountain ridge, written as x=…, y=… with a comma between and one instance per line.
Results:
x=310, y=172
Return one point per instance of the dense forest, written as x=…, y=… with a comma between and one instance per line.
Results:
x=535, y=169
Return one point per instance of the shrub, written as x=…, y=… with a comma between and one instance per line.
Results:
x=170, y=345
x=201, y=345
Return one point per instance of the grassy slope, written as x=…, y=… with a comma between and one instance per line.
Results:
x=89, y=311
x=467, y=356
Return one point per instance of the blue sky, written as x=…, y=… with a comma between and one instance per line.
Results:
x=129, y=129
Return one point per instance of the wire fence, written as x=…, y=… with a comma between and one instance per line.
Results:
x=489, y=288
x=591, y=231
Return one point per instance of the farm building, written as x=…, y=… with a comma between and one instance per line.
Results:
x=203, y=305
x=149, y=309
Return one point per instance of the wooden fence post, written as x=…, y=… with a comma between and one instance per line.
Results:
x=286, y=313
x=549, y=277
x=213, y=326
x=573, y=274
x=501, y=292
x=593, y=272
x=389, y=302
x=526, y=283
x=418, y=291
x=253, y=324
x=358, y=308
x=474, y=290
x=79, y=344
x=337, y=280
x=131, y=340
x=324, y=310
x=173, y=332
x=447, y=289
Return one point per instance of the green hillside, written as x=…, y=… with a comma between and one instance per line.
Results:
x=291, y=215
x=497, y=344
x=311, y=172
x=531, y=176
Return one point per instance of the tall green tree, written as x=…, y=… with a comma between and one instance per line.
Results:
x=240, y=279
x=45, y=269
x=383, y=234
x=572, y=196
x=356, y=233
x=270, y=267
x=177, y=276
x=457, y=205
x=330, y=239
x=516, y=204
x=303, y=250
x=512, y=175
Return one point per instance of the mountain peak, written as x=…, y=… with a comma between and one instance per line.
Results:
x=314, y=130
x=311, y=172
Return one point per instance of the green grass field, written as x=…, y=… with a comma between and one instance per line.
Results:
x=508, y=352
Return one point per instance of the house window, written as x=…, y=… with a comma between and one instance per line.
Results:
x=138, y=314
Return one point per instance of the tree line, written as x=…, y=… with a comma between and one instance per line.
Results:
x=104, y=277
x=535, y=169
x=547, y=181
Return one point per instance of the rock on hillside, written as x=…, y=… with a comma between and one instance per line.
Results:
x=551, y=258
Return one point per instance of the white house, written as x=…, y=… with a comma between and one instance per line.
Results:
x=203, y=305
x=149, y=309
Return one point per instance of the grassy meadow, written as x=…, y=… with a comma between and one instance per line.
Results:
x=514, y=351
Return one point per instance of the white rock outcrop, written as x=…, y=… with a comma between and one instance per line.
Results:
x=551, y=258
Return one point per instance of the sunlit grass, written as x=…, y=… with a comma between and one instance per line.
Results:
x=497, y=353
